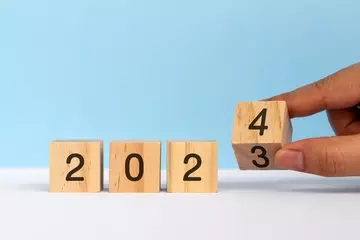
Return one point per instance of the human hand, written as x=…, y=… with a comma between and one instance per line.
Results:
x=339, y=95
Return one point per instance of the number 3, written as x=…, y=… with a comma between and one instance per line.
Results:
x=262, y=155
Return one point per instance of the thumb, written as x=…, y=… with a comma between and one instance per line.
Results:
x=328, y=156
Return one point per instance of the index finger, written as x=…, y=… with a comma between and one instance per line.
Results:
x=337, y=91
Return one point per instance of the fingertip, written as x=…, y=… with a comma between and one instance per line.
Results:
x=270, y=99
x=265, y=99
x=279, y=97
x=290, y=159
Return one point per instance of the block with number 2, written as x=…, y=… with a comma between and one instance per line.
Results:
x=76, y=166
x=192, y=166
x=260, y=129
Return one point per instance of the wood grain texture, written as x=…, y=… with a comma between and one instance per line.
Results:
x=142, y=177
x=255, y=151
x=91, y=171
x=177, y=151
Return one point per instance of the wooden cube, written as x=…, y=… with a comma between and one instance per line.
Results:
x=192, y=166
x=260, y=129
x=76, y=166
x=135, y=166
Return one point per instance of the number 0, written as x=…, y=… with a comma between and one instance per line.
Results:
x=127, y=167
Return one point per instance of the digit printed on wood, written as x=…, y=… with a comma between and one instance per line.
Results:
x=192, y=166
x=260, y=129
x=76, y=166
x=135, y=166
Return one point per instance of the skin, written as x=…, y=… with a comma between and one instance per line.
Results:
x=336, y=156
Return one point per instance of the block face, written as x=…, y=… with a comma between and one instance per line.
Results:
x=256, y=156
x=260, y=129
x=135, y=166
x=192, y=166
x=76, y=166
x=271, y=114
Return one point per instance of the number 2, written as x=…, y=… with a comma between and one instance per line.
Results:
x=262, y=155
x=262, y=126
x=69, y=176
x=192, y=170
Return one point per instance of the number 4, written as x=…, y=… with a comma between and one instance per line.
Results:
x=262, y=126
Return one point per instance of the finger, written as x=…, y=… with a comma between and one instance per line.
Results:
x=328, y=157
x=345, y=121
x=336, y=91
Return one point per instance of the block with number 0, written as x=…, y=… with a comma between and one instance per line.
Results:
x=260, y=129
x=135, y=166
x=192, y=166
x=76, y=166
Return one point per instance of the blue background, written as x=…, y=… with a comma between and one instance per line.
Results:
x=159, y=70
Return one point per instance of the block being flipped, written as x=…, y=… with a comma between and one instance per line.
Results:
x=260, y=129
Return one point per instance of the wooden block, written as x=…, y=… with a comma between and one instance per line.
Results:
x=135, y=166
x=192, y=166
x=260, y=129
x=76, y=166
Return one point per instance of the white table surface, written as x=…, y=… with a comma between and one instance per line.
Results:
x=279, y=205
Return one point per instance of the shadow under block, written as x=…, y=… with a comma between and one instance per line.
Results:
x=260, y=129
x=76, y=166
x=192, y=167
x=135, y=166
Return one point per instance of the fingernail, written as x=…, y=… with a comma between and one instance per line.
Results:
x=290, y=159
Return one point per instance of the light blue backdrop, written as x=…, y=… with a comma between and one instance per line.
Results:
x=139, y=69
